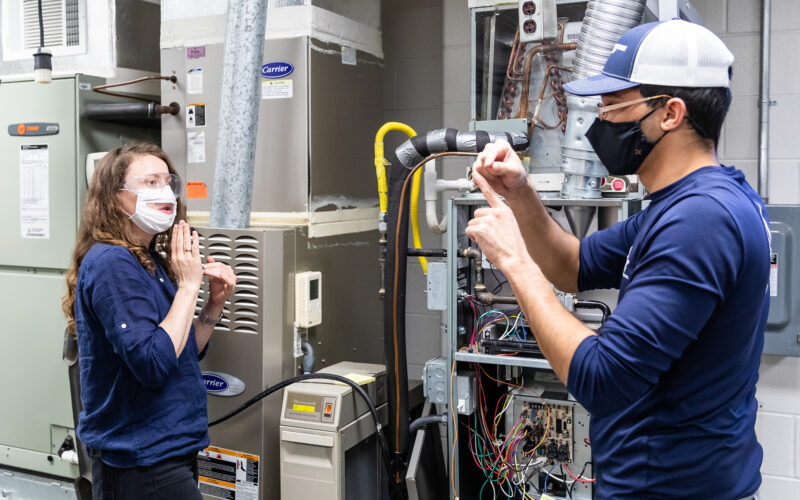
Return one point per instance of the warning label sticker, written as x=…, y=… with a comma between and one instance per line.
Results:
x=228, y=474
x=277, y=89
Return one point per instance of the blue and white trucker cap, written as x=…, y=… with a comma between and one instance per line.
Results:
x=672, y=53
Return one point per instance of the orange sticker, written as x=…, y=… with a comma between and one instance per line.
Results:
x=21, y=129
x=197, y=190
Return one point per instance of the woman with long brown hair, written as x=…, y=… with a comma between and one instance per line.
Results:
x=131, y=296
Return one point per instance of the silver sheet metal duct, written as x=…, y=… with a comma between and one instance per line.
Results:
x=604, y=23
x=236, y=145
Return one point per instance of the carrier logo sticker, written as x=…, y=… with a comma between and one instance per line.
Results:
x=222, y=384
x=276, y=69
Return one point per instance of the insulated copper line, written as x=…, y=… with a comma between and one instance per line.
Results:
x=526, y=84
x=99, y=88
x=400, y=210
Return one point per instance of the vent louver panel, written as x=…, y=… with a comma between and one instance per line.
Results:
x=61, y=21
x=242, y=313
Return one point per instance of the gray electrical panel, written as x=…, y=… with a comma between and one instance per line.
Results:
x=783, y=323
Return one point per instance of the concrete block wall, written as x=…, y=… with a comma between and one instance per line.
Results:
x=737, y=22
x=412, y=46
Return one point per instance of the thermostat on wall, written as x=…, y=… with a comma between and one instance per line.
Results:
x=308, y=299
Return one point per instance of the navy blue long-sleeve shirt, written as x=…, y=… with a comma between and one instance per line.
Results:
x=141, y=403
x=670, y=380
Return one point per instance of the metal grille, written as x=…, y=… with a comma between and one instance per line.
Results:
x=52, y=19
x=242, y=313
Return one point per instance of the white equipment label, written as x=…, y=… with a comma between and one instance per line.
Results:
x=349, y=56
x=228, y=474
x=194, y=81
x=773, y=275
x=277, y=89
x=34, y=191
x=195, y=147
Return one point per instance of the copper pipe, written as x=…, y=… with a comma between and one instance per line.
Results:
x=99, y=88
x=543, y=49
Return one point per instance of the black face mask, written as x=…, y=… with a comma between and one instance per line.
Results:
x=622, y=146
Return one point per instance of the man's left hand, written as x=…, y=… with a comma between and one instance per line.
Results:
x=496, y=232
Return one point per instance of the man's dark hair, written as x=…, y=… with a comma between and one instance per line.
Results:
x=706, y=107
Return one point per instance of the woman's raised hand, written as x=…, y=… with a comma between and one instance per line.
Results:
x=185, y=257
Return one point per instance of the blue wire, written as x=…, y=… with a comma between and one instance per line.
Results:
x=544, y=490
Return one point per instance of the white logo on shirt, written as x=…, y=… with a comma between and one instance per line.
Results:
x=627, y=261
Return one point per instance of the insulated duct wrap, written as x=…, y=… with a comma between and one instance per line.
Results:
x=443, y=140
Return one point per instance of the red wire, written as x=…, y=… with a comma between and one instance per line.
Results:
x=577, y=478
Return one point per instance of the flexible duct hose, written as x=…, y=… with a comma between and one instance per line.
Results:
x=605, y=21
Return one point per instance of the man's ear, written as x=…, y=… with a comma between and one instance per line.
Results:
x=674, y=114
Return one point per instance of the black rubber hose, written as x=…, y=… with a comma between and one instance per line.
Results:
x=41, y=26
x=426, y=252
x=324, y=376
x=594, y=304
x=394, y=338
x=426, y=420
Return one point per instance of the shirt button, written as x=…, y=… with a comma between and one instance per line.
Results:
x=123, y=325
x=161, y=279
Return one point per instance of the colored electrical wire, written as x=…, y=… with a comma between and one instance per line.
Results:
x=579, y=479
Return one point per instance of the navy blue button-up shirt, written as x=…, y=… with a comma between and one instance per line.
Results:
x=141, y=403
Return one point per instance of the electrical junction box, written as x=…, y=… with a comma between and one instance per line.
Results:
x=782, y=335
x=537, y=21
x=308, y=299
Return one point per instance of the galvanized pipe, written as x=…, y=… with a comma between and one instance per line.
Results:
x=764, y=103
x=238, y=116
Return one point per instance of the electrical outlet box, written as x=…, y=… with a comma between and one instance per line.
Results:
x=537, y=21
x=308, y=299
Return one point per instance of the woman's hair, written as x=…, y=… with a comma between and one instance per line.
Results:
x=104, y=221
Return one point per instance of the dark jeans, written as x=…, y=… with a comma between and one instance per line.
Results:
x=171, y=479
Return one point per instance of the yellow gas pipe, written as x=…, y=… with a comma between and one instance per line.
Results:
x=383, y=186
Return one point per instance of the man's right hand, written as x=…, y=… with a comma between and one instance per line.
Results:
x=499, y=165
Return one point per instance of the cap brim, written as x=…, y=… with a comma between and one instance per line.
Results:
x=598, y=85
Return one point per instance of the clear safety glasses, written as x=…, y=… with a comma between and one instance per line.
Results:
x=156, y=181
x=602, y=110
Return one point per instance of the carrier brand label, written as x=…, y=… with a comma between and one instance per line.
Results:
x=222, y=384
x=276, y=69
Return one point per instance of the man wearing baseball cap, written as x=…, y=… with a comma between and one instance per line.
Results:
x=670, y=378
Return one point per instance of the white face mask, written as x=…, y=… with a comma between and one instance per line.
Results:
x=150, y=220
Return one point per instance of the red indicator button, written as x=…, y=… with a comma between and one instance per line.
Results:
x=618, y=185
x=328, y=409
